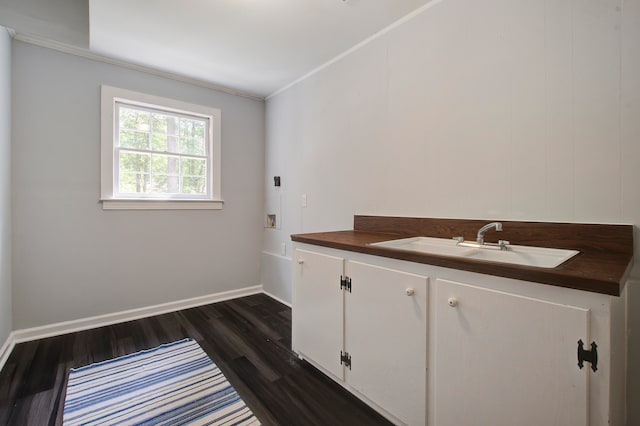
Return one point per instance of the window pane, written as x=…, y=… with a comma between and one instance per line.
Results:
x=192, y=137
x=165, y=131
x=164, y=143
x=165, y=184
x=194, y=185
x=192, y=146
x=134, y=139
x=131, y=183
x=159, y=142
x=165, y=124
x=159, y=184
x=165, y=174
x=194, y=167
x=134, y=119
x=165, y=164
x=134, y=162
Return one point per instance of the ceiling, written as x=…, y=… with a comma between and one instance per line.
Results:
x=253, y=46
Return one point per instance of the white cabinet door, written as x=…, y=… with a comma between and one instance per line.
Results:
x=318, y=314
x=386, y=337
x=502, y=359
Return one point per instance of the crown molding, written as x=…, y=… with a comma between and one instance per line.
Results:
x=85, y=53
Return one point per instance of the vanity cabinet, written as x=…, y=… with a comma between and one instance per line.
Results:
x=366, y=326
x=386, y=338
x=458, y=348
x=318, y=312
x=501, y=359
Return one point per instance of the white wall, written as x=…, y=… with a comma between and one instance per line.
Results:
x=513, y=110
x=71, y=259
x=5, y=186
x=502, y=109
x=630, y=125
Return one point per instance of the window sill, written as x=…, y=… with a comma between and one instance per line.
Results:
x=162, y=204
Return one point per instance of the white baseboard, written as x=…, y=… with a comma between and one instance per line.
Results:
x=6, y=349
x=65, y=327
x=57, y=329
x=277, y=298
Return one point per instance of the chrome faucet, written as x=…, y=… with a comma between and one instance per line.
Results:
x=485, y=229
x=501, y=245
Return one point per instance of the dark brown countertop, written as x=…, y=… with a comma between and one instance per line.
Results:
x=606, y=251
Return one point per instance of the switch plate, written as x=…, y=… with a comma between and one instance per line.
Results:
x=303, y=200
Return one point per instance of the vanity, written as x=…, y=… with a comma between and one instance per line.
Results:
x=444, y=334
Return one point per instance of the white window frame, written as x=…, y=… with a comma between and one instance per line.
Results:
x=110, y=96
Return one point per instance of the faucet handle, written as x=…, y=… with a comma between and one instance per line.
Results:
x=458, y=239
x=503, y=244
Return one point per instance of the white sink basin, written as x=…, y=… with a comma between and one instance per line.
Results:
x=540, y=257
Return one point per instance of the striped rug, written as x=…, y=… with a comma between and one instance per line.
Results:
x=173, y=384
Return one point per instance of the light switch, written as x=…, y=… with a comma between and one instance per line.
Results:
x=303, y=200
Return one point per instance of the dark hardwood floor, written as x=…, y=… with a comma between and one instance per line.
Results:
x=248, y=338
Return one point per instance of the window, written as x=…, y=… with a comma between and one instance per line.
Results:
x=158, y=153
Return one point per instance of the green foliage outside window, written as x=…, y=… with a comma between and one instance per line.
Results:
x=161, y=153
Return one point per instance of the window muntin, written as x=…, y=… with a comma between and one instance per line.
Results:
x=160, y=154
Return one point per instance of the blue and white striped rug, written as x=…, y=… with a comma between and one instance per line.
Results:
x=173, y=384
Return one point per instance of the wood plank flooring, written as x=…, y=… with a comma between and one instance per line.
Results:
x=248, y=338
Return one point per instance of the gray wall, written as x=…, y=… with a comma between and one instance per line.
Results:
x=65, y=21
x=5, y=185
x=518, y=110
x=71, y=259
